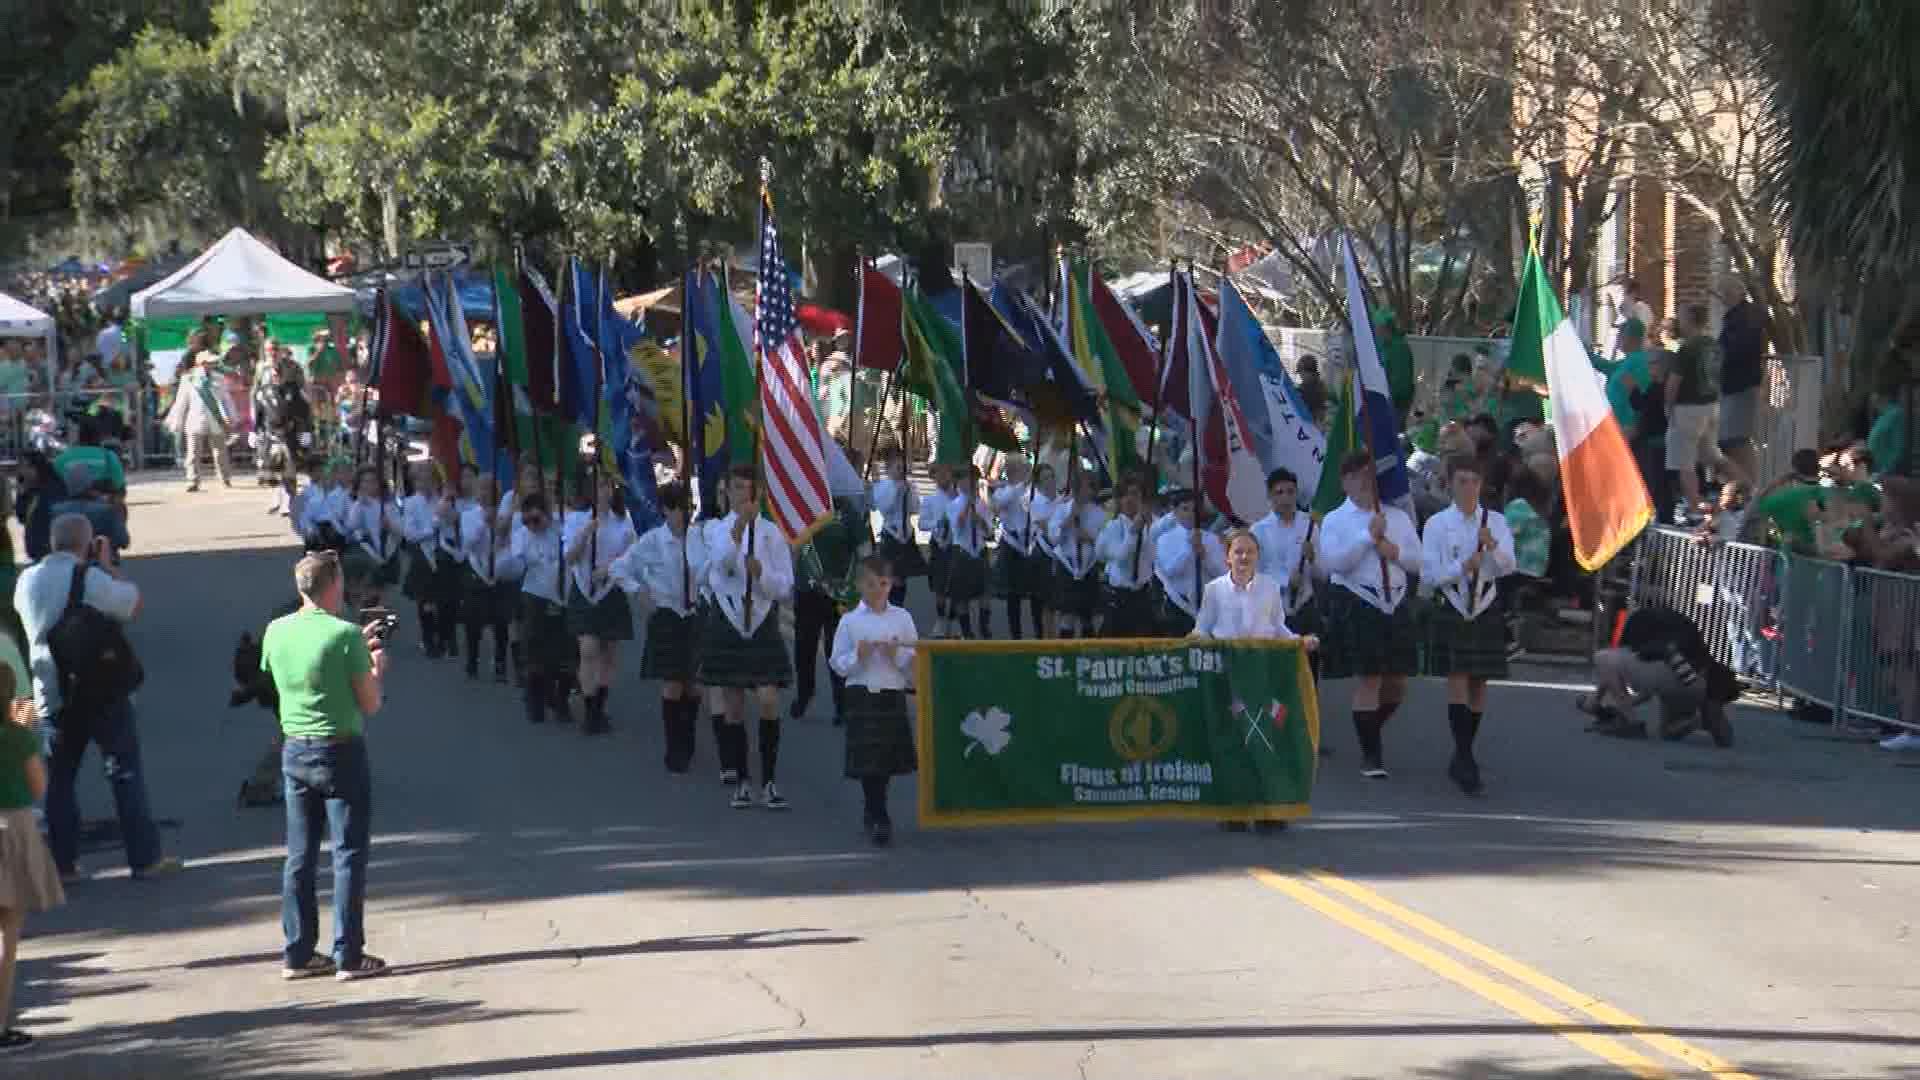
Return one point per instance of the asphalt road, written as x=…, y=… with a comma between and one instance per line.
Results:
x=559, y=907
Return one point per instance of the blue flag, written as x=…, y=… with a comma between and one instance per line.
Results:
x=1275, y=410
x=471, y=395
x=580, y=375
x=1379, y=424
x=627, y=411
x=706, y=393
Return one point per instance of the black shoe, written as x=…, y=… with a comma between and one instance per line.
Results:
x=1264, y=827
x=1465, y=774
x=1233, y=826
x=473, y=670
x=500, y=673
x=882, y=833
x=798, y=709
x=839, y=721
x=1373, y=768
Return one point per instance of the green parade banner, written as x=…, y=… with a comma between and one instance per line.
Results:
x=1020, y=732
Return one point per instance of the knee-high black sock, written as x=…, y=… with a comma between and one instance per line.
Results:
x=769, y=746
x=737, y=750
x=1013, y=618
x=473, y=645
x=597, y=722
x=1366, y=727
x=427, y=638
x=1460, y=723
x=535, y=697
x=500, y=644
x=966, y=622
x=675, y=733
x=721, y=748
x=873, y=790
x=1038, y=611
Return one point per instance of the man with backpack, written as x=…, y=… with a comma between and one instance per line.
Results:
x=74, y=606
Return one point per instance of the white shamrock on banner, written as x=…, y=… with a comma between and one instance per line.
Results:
x=990, y=731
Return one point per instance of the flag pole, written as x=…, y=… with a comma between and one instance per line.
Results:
x=688, y=283
x=1159, y=396
x=1199, y=444
x=751, y=514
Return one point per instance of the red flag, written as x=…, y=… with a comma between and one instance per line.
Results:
x=537, y=314
x=877, y=340
x=402, y=364
x=1138, y=354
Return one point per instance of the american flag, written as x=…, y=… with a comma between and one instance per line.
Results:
x=792, y=454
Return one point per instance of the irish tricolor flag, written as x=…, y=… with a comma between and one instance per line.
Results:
x=1607, y=502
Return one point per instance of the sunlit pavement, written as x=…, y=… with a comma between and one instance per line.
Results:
x=557, y=906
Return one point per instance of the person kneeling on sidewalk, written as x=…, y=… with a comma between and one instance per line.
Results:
x=1661, y=654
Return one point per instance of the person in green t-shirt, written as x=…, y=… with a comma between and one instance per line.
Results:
x=29, y=882
x=328, y=674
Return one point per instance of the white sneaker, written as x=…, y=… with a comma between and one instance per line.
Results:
x=772, y=798
x=742, y=797
x=1906, y=741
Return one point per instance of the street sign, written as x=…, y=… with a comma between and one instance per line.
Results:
x=437, y=255
x=976, y=261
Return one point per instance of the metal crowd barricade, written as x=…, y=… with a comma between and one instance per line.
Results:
x=1816, y=607
x=1883, y=675
x=1732, y=591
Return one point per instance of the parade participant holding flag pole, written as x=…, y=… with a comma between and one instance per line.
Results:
x=966, y=571
x=1077, y=521
x=897, y=502
x=1013, y=560
x=1286, y=549
x=1467, y=548
x=751, y=572
x=486, y=600
x=373, y=531
x=419, y=528
x=659, y=566
x=1184, y=559
x=548, y=649
x=1130, y=611
x=597, y=610
x=1370, y=550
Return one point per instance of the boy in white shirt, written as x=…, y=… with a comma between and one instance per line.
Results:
x=1467, y=549
x=1370, y=552
x=873, y=650
x=1012, y=573
x=1128, y=554
x=895, y=499
x=666, y=562
x=1185, y=558
x=1286, y=549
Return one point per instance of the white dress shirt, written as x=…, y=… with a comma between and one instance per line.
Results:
x=1071, y=549
x=536, y=555
x=1173, y=565
x=450, y=515
x=603, y=545
x=370, y=523
x=709, y=530
x=1346, y=550
x=883, y=668
x=1230, y=611
x=1010, y=506
x=655, y=566
x=337, y=501
x=1282, y=545
x=933, y=516
x=1129, y=562
x=1040, y=514
x=1451, y=538
x=968, y=534
x=727, y=572
x=896, y=500
x=484, y=547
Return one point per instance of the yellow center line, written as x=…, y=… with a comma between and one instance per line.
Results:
x=1602, y=1046
x=1529, y=976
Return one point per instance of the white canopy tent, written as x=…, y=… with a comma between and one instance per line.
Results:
x=19, y=319
x=240, y=276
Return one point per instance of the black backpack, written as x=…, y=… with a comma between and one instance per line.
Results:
x=91, y=652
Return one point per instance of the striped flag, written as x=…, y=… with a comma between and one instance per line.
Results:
x=1607, y=501
x=792, y=459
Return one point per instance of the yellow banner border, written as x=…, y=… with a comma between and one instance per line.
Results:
x=932, y=817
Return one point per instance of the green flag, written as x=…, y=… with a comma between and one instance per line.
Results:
x=932, y=349
x=1099, y=363
x=733, y=331
x=1343, y=437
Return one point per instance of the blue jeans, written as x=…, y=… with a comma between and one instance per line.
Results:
x=109, y=726
x=330, y=786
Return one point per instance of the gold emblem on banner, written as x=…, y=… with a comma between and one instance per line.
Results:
x=1142, y=728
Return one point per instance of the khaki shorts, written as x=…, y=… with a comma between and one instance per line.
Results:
x=1737, y=416
x=1693, y=436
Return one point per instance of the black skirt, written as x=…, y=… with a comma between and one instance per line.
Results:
x=1309, y=619
x=548, y=645
x=938, y=559
x=608, y=619
x=1363, y=640
x=905, y=557
x=449, y=577
x=965, y=579
x=879, y=736
x=1130, y=613
x=1076, y=596
x=418, y=580
x=669, y=650
x=484, y=603
x=363, y=568
x=728, y=659
x=1457, y=645
x=1011, y=574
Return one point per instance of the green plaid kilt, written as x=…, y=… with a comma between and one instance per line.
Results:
x=965, y=578
x=668, y=656
x=1076, y=596
x=905, y=557
x=938, y=556
x=548, y=644
x=611, y=619
x=1309, y=619
x=1457, y=645
x=418, y=582
x=484, y=603
x=727, y=659
x=365, y=570
x=1130, y=613
x=1017, y=574
x=1170, y=619
x=879, y=736
x=1363, y=640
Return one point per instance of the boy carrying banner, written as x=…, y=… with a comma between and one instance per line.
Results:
x=1467, y=549
x=873, y=649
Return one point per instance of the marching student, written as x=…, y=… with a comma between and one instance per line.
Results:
x=535, y=549
x=372, y=529
x=339, y=495
x=741, y=649
x=894, y=497
x=1041, y=561
x=508, y=518
x=1286, y=549
x=873, y=650
x=933, y=518
x=597, y=609
x=1175, y=554
x=449, y=574
x=420, y=529
x=967, y=525
x=712, y=526
x=1077, y=521
x=665, y=565
x=824, y=570
x=1466, y=550
x=1124, y=547
x=1370, y=551
x=1012, y=568
x=486, y=588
